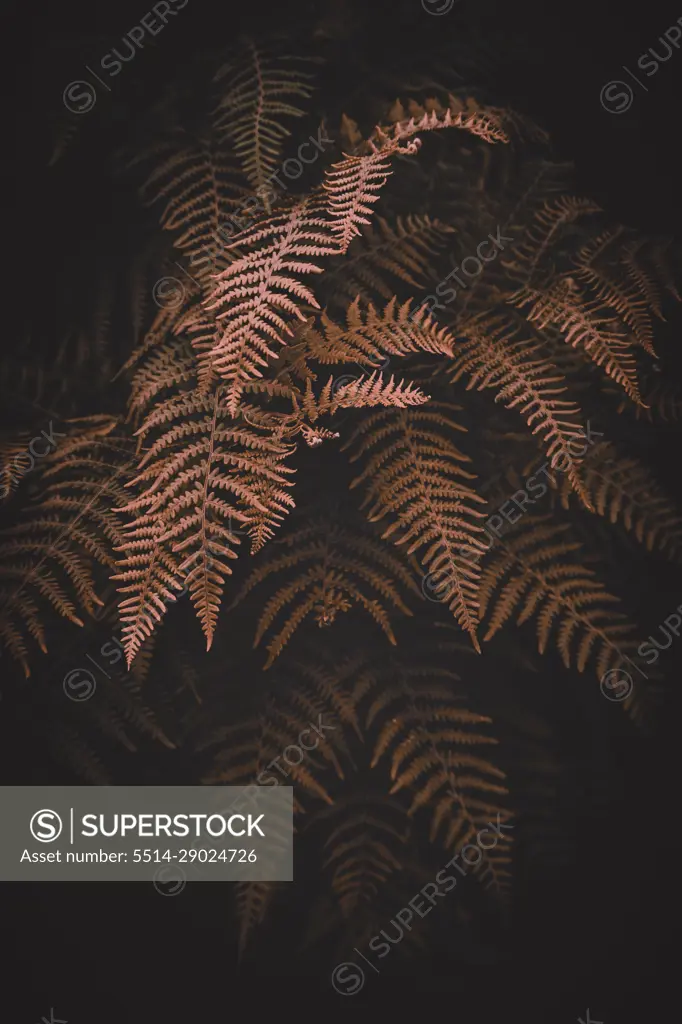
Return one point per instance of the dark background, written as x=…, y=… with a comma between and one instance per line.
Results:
x=604, y=937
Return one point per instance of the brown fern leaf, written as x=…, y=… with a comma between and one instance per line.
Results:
x=532, y=572
x=485, y=122
x=369, y=391
x=51, y=553
x=199, y=185
x=614, y=292
x=363, y=917
x=259, y=86
x=641, y=276
x=248, y=753
x=171, y=366
x=546, y=228
x=623, y=490
x=258, y=297
x=331, y=570
x=404, y=250
x=493, y=356
x=253, y=899
x=184, y=525
x=601, y=338
x=414, y=474
x=430, y=740
x=333, y=681
x=363, y=849
x=121, y=710
x=308, y=407
x=15, y=462
x=354, y=183
x=152, y=578
x=165, y=323
x=370, y=335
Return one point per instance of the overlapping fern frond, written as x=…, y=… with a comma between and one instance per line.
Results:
x=403, y=250
x=432, y=743
x=610, y=288
x=260, y=86
x=204, y=473
x=494, y=356
x=199, y=185
x=48, y=559
x=625, y=491
x=546, y=227
x=415, y=475
x=535, y=573
x=583, y=324
x=258, y=297
x=330, y=570
x=364, y=847
x=369, y=335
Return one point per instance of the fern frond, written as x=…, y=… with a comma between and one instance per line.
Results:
x=641, y=276
x=493, y=356
x=534, y=572
x=433, y=744
x=354, y=183
x=614, y=292
x=624, y=491
x=243, y=754
x=370, y=391
x=414, y=474
x=599, y=336
x=369, y=335
x=258, y=297
x=353, y=186
x=183, y=530
x=363, y=849
x=485, y=122
x=260, y=86
x=199, y=186
x=250, y=751
x=51, y=553
x=332, y=569
x=547, y=226
x=404, y=249
x=253, y=900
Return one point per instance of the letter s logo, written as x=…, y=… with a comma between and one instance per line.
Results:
x=79, y=97
x=616, y=96
x=643, y=63
x=641, y=650
x=46, y=826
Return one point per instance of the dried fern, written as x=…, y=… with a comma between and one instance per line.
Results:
x=414, y=474
x=429, y=739
x=260, y=85
x=536, y=573
x=624, y=491
x=330, y=570
x=51, y=554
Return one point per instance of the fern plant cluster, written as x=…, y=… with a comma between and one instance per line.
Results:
x=256, y=474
